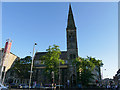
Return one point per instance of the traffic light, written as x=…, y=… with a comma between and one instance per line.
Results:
x=96, y=81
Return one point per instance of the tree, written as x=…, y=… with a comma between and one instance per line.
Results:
x=51, y=61
x=98, y=63
x=22, y=67
x=84, y=67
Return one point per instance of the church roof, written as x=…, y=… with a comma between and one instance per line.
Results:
x=70, y=22
x=39, y=54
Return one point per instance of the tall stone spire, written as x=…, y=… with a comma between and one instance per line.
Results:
x=72, y=50
x=70, y=22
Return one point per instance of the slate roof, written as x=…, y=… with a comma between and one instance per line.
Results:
x=39, y=54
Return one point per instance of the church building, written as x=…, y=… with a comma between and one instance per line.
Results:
x=68, y=73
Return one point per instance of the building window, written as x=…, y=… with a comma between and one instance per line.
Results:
x=66, y=61
x=4, y=68
x=27, y=81
x=37, y=62
x=18, y=81
x=23, y=81
x=15, y=81
x=11, y=73
x=71, y=37
x=72, y=56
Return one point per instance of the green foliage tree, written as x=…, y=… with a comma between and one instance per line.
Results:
x=52, y=60
x=84, y=68
x=22, y=67
x=98, y=63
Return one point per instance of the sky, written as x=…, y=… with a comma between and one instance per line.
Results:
x=45, y=23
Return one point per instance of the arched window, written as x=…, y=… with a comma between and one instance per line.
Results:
x=72, y=56
x=18, y=81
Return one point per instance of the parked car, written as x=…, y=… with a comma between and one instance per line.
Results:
x=48, y=86
x=2, y=87
x=13, y=85
x=37, y=86
x=61, y=86
x=23, y=86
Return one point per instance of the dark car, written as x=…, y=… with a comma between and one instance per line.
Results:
x=37, y=86
x=13, y=85
x=59, y=86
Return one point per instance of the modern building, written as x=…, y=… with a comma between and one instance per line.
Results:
x=7, y=63
x=117, y=78
x=97, y=75
x=107, y=81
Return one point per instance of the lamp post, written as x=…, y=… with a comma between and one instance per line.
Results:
x=32, y=65
x=102, y=72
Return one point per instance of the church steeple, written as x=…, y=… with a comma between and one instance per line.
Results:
x=72, y=50
x=70, y=22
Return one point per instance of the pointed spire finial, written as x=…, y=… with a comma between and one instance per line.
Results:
x=69, y=5
x=70, y=23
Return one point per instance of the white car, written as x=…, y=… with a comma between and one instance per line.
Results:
x=23, y=86
x=2, y=87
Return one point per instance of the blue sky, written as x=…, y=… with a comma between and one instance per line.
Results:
x=45, y=24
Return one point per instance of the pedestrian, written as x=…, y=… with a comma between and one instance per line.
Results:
x=117, y=87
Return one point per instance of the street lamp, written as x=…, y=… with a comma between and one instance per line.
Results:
x=32, y=65
x=102, y=72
